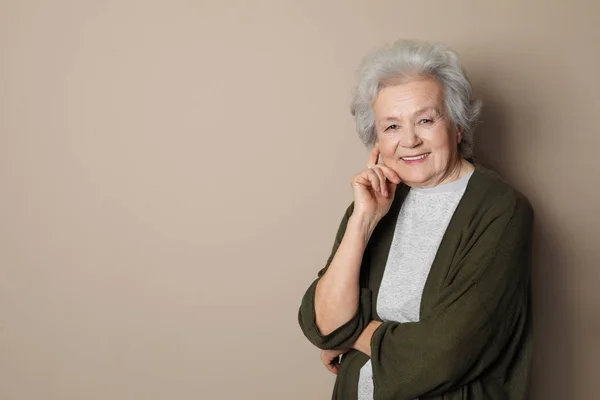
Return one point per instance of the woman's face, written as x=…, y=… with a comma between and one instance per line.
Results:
x=416, y=137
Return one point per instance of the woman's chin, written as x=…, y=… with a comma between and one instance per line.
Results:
x=415, y=179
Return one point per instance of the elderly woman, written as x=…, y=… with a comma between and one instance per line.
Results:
x=426, y=292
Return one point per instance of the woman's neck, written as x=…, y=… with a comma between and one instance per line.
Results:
x=457, y=170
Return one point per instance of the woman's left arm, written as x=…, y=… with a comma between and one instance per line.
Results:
x=480, y=312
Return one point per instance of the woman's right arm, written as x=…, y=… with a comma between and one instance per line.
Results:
x=337, y=292
x=335, y=309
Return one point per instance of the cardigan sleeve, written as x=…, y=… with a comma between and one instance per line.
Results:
x=473, y=323
x=345, y=335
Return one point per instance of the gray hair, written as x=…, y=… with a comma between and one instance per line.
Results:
x=407, y=59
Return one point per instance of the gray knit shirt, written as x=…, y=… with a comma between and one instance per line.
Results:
x=423, y=219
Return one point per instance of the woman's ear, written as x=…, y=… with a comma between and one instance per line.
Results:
x=459, y=133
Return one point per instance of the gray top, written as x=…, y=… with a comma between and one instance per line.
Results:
x=422, y=221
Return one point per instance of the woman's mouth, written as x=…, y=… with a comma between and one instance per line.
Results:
x=414, y=159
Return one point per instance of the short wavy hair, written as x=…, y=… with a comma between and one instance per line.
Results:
x=406, y=60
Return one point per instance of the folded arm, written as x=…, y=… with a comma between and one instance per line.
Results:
x=335, y=309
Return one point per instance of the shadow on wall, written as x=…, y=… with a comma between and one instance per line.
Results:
x=553, y=369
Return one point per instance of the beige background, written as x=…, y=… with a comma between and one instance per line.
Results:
x=172, y=174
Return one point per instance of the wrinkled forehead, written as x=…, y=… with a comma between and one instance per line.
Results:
x=408, y=99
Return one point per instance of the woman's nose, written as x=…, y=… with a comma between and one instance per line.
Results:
x=408, y=137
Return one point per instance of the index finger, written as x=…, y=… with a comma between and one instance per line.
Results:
x=374, y=156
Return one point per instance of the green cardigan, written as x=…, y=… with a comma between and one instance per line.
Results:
x=473, y=340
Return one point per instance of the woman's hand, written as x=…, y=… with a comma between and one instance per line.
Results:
x=331, y=359
x=374, y=191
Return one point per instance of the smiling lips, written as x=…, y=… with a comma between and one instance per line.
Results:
x=415, y=158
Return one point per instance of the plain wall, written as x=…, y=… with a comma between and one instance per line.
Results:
x=172, y=174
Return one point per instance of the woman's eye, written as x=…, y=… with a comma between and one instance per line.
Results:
x=391, y=127
x=425, y=121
